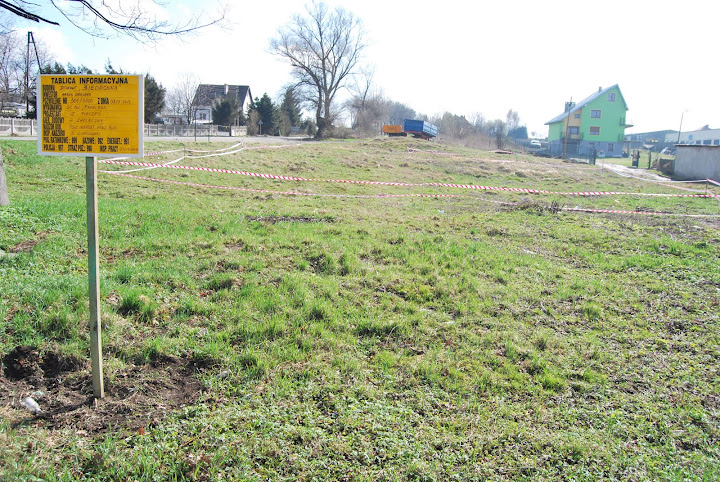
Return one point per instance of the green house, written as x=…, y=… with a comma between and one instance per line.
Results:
x=597, y=123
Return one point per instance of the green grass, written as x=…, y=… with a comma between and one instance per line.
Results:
x=373, y=338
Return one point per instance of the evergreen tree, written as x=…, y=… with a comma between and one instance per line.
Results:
x=290, y=108
x=265, y=110
x=54, y=68
x=226, y=111
x=154, y=98
x=110, y=70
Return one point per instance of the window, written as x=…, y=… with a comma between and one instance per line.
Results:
x=202, y=116
x=697, y=142
x=707, y=142
x=577, y=115
x=611, y=97
x=594, y=131
x=611, y=147
x=595, y=114
x=573, y=130
x=716, y=142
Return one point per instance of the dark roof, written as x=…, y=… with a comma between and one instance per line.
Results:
x=207, y=93
x=585, y=102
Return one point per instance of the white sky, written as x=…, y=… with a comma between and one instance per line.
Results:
x=461, y=56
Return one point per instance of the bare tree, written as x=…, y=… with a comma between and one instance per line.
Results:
x=512, y=120
x=323, y=49
x=398, y=112
x=108, y=18
x=497, y=129
x=10, y=67
x=368, y=108
x=181, y=96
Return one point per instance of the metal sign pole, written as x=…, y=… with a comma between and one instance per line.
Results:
x=94, y=278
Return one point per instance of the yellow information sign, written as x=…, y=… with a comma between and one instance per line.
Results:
x=90, y=115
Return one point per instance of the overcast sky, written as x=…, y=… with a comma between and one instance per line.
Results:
x=460, y=56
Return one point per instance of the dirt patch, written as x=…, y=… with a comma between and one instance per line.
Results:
x=136, y=397
x=28, y=245
x=289, y=219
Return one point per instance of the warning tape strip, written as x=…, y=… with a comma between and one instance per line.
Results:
x=292, y=193
x=404, y=184
x=385, y=196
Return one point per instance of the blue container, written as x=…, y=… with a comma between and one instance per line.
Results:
x=420, y=128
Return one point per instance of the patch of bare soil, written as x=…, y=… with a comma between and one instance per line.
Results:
x=136, y=398
x=28, y=245
x=289, y=219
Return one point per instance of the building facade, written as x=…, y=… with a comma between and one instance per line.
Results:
x=595, y=124
x=701, y=137
x=207, y=94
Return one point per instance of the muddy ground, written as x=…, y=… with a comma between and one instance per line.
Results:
x=136, y=398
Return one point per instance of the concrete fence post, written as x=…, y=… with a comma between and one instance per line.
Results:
x=4, y=199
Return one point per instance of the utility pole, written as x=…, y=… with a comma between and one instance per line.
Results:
x=567, y=127
x=31, y=40
x=680, y=130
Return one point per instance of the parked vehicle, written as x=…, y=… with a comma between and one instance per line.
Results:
x=393, y=130
x=416, y=128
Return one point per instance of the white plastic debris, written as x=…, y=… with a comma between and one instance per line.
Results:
x=31, y=405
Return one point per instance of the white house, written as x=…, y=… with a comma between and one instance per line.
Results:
x=207, y=94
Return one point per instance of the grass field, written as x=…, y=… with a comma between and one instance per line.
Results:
x=349, y=335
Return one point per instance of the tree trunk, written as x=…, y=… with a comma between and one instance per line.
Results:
x=4, y=199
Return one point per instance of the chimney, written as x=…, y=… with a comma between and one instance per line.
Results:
x=600, y=89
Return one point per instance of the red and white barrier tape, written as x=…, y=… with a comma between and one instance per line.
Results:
x=287, y=193
x=385, y=196
x=404, y=184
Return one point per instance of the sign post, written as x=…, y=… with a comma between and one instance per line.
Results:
x=94, y=278
x=89, y=116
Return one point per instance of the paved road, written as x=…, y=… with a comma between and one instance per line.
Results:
x=644, y=175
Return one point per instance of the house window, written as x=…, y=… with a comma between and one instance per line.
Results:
x=611, y=147
x=611, y=97
x=716, y=142
x=707, y=142
x=577, y=115
x=697, y=143
x=202, y=116
x=594, y=131
x=573, y=130
x=595, y=114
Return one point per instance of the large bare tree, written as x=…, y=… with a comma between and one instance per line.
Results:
x=323, y=48
x=181, y=96
x=106, y=18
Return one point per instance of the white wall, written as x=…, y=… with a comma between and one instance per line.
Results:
x=697, y=162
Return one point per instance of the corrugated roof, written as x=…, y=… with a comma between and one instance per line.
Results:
x=585, y=102
x=207, y=93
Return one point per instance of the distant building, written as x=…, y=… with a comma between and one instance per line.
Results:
x=207, y=94
x=655, y=141
x=13, y=109
x=596, y=123
x=701, y=137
